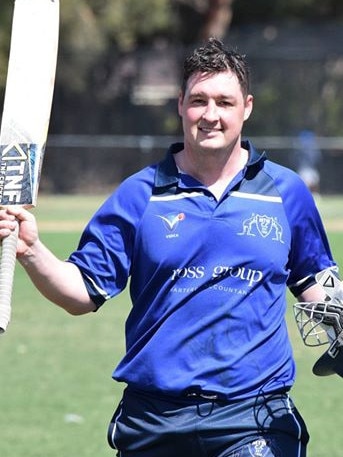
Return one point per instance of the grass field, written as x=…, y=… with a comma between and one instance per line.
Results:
x=56, y=391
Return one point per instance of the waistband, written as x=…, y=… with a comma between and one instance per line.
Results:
x=194, y=395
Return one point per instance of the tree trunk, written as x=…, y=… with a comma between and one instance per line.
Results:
x=217, y=19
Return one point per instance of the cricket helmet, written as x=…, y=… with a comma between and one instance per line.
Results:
x=321, y=323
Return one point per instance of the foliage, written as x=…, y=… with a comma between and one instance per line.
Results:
x=91, y=29
x=278, y=10
x=103, y=43
x=129, y=23
x=5, y=31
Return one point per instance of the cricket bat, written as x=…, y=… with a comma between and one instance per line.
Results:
x=25, y=120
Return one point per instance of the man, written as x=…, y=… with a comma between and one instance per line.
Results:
x=307, y=160
x=210, y=238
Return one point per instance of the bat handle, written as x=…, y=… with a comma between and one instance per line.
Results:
x=7, y=267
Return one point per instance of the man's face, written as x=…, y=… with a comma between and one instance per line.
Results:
x=213, y=110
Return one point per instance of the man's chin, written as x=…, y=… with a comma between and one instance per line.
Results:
x=211, y=145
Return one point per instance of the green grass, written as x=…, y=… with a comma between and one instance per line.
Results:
x=56, y=391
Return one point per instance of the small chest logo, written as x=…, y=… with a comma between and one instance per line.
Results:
x=172, y=220
x=262, y=225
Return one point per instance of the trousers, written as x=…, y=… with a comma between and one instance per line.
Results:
x=150, y=425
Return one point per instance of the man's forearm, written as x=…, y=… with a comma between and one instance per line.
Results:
x=59, y=281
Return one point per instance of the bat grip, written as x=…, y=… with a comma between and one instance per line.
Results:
x=7, y=267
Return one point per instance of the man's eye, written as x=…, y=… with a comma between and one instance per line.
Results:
x=225, y=103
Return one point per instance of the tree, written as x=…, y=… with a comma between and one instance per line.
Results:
x=247, y=11
x=217, y=18
x=5, y=31
x=208, y=18
x=98, y=60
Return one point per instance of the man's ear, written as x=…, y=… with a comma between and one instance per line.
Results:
x=180, y=102
x=249, y=103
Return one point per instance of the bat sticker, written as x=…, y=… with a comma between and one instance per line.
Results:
x=20, y=169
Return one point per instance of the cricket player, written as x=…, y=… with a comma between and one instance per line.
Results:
x=210, y=238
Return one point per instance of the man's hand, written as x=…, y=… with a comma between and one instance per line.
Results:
x=59, y=281
x=28, y=231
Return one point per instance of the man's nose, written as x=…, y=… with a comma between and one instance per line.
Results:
x=210, y=113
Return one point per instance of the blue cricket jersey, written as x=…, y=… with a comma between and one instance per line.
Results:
x=207, y=278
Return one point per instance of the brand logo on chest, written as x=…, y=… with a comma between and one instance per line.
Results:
x=171, y=222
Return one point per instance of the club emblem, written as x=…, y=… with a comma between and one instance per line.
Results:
x=262, y=225
x=259, y=448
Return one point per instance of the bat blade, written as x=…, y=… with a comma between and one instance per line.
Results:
x=25, y=119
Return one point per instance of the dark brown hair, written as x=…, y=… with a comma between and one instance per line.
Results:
x=214, y=57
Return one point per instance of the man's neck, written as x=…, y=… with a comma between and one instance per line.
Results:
x=212, y=168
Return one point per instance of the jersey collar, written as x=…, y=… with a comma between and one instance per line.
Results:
x=167, y=174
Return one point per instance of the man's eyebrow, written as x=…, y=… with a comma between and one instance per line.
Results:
x=204, y=94
x=219, y=97
x=197, y=94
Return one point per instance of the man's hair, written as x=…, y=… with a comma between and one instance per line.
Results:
x=214, y=57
